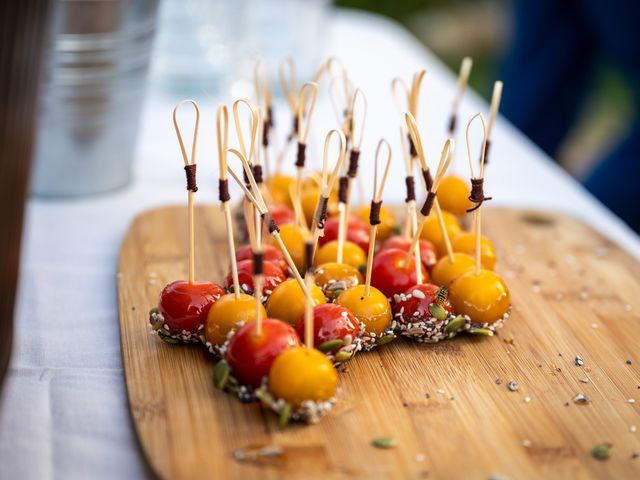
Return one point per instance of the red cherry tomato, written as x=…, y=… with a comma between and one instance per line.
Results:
x=428, y=253
x=271, y=254
x=330, y=322
x=357, y=232
x=185, y=305
x=413, y=305
x=250, y=356
x=272, y=277
x=391, y=275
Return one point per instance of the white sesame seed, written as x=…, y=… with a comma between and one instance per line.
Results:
x=527, y=399
x=594, y=325
x=631, y=400
x=418, y=294
x=440, y=391
x=632, y=428
x=526, y=443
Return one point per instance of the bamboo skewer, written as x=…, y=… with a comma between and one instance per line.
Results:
x=190, y=169
x=463, y=80
x=255, y=197
x=477, y=211
x=493, y=113
x=411, y=223
x=376, y=199
x=308, y=304
x=443, y=165
x=357, y=135
x=327, y=184
x=306, y=107
x=222, y=135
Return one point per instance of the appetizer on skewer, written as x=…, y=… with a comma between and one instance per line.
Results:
x=183, y=305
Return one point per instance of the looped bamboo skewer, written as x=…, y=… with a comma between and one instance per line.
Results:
x=414, y=134
x=463, y=80
x=263, y=100
x=290, y=84
x=255, y=197
x=327, y=183
x=443, y=165
x=306, y=107
x=493, y=113
x=222, y=136
x=357, y=135
x=189, y=162
x=376, y=198
x=411, y=224
x=476, y=212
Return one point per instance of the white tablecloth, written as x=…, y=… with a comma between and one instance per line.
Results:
x=64, y=412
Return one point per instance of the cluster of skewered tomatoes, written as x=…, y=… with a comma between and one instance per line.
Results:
x=319, y=282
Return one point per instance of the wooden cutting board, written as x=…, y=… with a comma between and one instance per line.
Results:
x=447, y=405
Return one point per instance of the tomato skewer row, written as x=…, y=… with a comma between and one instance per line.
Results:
x=367, y=303
x=183, y=305
x=480, y=294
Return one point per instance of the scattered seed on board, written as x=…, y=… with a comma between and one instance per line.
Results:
x=594, y=325
x=584, y=380
x=635, y=455
x=498, y=381
x=629, y=362
x=632, y=428
x=578, y=360
x=581, y=399
x=420, y=457
x=384, y=442
x=601, y=451
x=527, y=399
x=513, y=385
x=526, y=443
x=631, y=400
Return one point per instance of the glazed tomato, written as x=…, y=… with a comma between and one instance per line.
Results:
x=330, y=322
x=357, y=232
x=185, y=305
x=391, y=272
x=270, y=254
x=250, y=356
x=226, y=312
x=373, y=310
x=352, y=254
x=413, y=304
x=272, y=276
x=453, y=195
x=484, y=297
x=302, y=373
x=427, y=249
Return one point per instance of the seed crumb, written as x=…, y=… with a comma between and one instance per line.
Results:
x=629, y=362
x=632, y=428
x=508, y=340
x=513, y=385
x=601, y=451
x=578, y=360
x=498, y=381
x=635, y=455
x=581, y=399
x=527, y=399
x=526, y=443
x=584, y=380
x=631, y=400
x=584, y=295
x=594, y=325
x=420, y=457
x=627, y=308
x=440, y=391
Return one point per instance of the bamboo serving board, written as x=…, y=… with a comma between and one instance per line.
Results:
x=447, y=405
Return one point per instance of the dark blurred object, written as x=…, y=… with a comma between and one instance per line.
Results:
x=556, y=49
x=22, y=32
x=92, y=95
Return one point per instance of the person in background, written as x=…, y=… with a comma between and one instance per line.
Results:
x=555, y=50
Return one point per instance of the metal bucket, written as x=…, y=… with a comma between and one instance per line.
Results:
x=92, y=94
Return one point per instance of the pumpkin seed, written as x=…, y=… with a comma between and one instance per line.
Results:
x=342, y=356
x=455, y=324
x=481, y=331
x=385, y=339
x=221, y=373
x=601, y=451
x=330, y=345
x=285, y=415
x=384, y=442
x=437, y=311
x=168, y=339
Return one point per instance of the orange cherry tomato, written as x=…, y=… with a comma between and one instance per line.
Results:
x=484, y=297
x=226, y=312
x=374, y=311
x=444, y=272
x=287, y=301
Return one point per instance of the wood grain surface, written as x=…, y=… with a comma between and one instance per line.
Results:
x=447, y=405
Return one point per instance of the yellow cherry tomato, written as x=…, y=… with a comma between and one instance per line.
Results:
x=286, y=302
x=374, y=311
x=302, y=373
x=352, y=254
x=388, y=221
x=278, y=186
x=444, y=272
x=432, y=232
x=334, y=278
x=293, y=239
x=226, y=312
x=484, y=297
x=453, y=195
x=465, y=242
